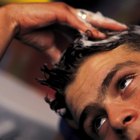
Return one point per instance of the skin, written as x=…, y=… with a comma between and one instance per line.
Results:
x=119, y=100
x=27, y=22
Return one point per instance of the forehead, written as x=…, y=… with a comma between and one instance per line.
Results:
x=83, y=90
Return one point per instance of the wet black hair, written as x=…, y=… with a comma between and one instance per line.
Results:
x=63, y=73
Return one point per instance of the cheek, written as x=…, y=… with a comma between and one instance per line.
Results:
x=110, y=135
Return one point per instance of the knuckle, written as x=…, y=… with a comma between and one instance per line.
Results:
x=64, y=5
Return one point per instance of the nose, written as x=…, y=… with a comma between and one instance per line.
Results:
x=121, y=117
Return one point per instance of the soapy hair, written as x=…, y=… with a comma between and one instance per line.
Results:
x=63, y=73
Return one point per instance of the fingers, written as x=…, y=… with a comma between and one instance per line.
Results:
x=83, y=26
x=33, y=16
x=44, y=41
x=97, y=19
x=54, y=53
x=85, y=20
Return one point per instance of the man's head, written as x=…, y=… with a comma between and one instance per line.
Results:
x=99, y=83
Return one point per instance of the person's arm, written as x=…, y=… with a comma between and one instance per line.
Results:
x=7, y=31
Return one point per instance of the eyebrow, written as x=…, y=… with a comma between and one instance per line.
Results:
x=107, y=80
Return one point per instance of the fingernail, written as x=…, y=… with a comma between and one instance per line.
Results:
x=121, y=24
x=116, y=22
x=121, y=27
x=101, y=35
x=88, y=33
x=124, y=26
x=98, y=34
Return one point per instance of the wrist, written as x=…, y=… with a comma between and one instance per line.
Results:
x=7, y=17
x=8, y=30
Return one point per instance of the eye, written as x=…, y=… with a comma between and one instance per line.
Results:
x=98, y=123
x=124, y=82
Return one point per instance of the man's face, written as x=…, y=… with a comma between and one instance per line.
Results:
x=107, y=89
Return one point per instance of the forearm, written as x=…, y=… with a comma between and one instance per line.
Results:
x=7, y=30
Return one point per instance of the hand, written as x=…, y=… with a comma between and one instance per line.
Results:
x=33, y=16
x=30, y=18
